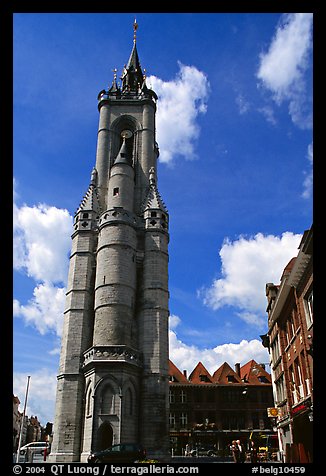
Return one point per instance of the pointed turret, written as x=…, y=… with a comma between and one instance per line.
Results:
x=89, y=209
x=114, y=89
x=90, y=201
x=121, y=181
x=124, y=156
x=154, y=209
x=153, y=200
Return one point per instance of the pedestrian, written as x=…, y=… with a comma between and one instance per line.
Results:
x=242, y=453
x=253, y=452
x=235, y=451
x=187, y=450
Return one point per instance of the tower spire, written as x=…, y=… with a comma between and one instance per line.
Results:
x=132, y=76
x=135, y=30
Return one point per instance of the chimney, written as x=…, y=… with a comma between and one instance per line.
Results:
x=185, y=373
x=237, y=369
x=262, y=366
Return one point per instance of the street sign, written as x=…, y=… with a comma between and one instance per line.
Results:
x=272, y=412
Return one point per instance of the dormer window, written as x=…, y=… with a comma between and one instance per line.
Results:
x=203, y=378
x=231, y=379
x=262, y=379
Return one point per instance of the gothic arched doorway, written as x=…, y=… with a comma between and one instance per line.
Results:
x=105, y=436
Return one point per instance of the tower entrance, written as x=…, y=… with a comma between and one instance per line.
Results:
x=105, y=436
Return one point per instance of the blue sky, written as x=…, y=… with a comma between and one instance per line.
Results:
x=234, y=127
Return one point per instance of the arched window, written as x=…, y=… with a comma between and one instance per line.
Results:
x=107, y=401
x=89, y=400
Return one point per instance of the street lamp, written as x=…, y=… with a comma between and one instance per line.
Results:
x=23, y=419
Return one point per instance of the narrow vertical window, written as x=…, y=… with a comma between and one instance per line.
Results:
x=88, y=401
x=308, y=303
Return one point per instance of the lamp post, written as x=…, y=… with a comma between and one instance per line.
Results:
x=23, y=419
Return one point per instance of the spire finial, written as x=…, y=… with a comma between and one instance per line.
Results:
x=135, y=30
x=93, y=176
x=152, y=176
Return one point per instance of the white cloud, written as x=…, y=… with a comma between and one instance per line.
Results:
x=247, y=265
x=242, y=103
x=283, y=67
x=44, y=310
x=308, y=181
x=41, y=393
x=41, y=246
x=42, y=242
x=268, y=113
x=180, y=102
x=186, y=357
x=174, y=321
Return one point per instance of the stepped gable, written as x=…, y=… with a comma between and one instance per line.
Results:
x=175, y=374
x=200, y=375
x=225, y=375
x=254, y=374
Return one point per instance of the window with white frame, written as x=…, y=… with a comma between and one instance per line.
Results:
x=172, y=420
x=183, y=396
x=280, y=389
x=275, y=349
x=308, y=304
x=183, y=420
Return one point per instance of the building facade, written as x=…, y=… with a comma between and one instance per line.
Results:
x=113, y=376
x=290, y=342
x=209, y=411
x=16, y=422
x=31, y=428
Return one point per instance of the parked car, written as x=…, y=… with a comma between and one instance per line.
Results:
x=120, y=453
x=37, y=447
x=208, y=450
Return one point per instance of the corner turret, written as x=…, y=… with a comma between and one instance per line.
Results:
x=89, y=209
x=155, y=212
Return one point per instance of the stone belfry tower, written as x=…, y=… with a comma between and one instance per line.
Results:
x=113, y=375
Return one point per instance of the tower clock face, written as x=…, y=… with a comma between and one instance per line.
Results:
x=126, y=134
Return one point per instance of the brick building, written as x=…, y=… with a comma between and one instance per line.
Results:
x=16, y=423
x=34, y=430
x=212, y=410
x=290, y=342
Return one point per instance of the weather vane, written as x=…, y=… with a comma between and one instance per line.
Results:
x=135, y=30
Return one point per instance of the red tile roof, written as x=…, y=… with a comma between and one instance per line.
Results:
x=176, y=374
x=250, y=374
x=200, y=375
x=254, y=373
x=225, y=374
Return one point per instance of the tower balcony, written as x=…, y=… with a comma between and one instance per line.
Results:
x=118, y=215
x=132, y=96
x=111, y=353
